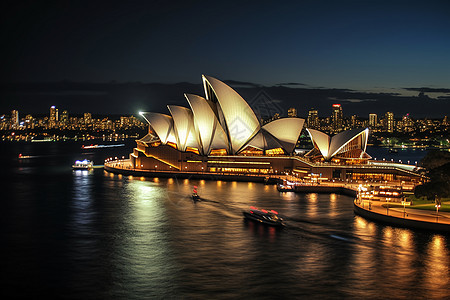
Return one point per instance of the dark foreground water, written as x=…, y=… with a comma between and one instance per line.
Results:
x=94, y=235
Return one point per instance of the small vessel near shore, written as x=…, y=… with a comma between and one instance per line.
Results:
x=392, y=150
x=83, y=165
x=195, y=196
x=92, y=146
x=263, y=216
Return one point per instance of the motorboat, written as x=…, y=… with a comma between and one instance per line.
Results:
x=92, y=146
x=285, y=187
x=83, y=165
x=195, y=196
x=269, y=217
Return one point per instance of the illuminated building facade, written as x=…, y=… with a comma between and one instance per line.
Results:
x=347, y=145
x=313, y=119
x=53, y=118
x=14, y=119
x=222, y=122
x=220, y=134
x=373, y=120
x=337, y=118
x=292, y=112
x=389, y=122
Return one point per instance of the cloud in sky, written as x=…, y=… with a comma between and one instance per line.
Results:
x=428, y=90
x=129, y=98
x=291, y=84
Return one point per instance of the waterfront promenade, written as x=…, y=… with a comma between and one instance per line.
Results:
x=383, y=208
x=402, y=216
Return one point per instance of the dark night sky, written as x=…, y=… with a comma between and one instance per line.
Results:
x=369, y=47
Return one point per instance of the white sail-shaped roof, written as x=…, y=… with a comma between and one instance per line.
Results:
x=264, y=141
x=162, y=125
x=206, y=124
x=235, y=115
x=220, y=139
x=321, y=140
x=184, y=127
x=331, y=146
x=340, y=140
x=286, y=131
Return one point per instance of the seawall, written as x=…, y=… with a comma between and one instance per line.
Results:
x=401, y=222
x=321, y=189
x=192, y=175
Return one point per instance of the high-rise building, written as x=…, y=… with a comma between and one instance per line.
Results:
x=373, y=120
x=336, y=118
x=354, y=121
x=389, y=122
x=445, y=121
x=53, y=117
x=407, y=123
x=87, y=118
x=313, y=119
x=64, y=118
x=292, y=112
x=14, y=119
x=29, y=121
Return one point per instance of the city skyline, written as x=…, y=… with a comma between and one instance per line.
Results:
x=107, y=55
x=110, y=98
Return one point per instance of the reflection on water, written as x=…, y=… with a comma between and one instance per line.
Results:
x=99, y=235
x=437, y=264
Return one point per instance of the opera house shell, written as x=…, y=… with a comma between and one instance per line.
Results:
x=223, y=123
x=350, y=144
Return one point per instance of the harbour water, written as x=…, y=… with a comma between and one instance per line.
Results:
x=91, y=234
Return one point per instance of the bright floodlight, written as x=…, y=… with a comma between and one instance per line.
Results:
x=141, y=113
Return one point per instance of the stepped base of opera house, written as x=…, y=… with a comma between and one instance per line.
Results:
x=166, y=161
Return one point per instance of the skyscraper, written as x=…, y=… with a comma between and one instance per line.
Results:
x=336, y=118
x=87, y=118
x=354, y=121
x=64, y=118
x=29, y=121
x=389, y=122
x=292, y=112
x=373, y=120
x=14, y=119
x=407, y=123
x=53, y=117
x=313, y=119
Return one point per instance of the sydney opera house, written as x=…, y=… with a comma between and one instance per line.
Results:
x=220, y=134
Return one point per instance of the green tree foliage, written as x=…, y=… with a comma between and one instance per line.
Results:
x=438, y=165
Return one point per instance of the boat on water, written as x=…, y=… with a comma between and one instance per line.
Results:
x=24, y=156
x=195, y=196
x=263, y=216
x=91, y=146
x=83, y=165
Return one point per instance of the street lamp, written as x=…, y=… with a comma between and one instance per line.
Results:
x=437, y=212
x=438, y=204
x=404, y=207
